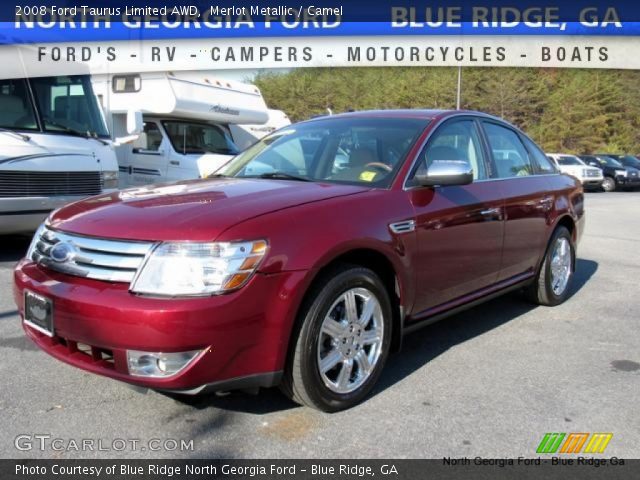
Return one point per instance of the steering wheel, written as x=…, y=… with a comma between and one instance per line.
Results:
x=379, y=165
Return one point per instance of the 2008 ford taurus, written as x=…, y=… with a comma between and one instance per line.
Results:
x=305, y=259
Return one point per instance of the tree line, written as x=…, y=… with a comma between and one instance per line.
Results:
x=563, y=110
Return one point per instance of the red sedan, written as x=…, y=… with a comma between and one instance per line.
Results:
x=305, y=259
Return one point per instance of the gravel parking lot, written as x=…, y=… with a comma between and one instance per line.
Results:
x=488, y=382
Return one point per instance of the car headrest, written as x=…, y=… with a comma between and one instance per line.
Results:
x=361, y=156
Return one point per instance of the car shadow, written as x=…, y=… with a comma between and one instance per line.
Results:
x=432, y=341
x=418, y=349
x=13, y=247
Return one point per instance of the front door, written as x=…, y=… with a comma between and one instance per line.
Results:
x=148, y=156
x=521, y=180
x=459, y=228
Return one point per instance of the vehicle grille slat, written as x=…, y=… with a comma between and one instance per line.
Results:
x=45, y=184
x=95, y=258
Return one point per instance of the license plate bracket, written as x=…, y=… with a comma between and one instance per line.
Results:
x=38, y=312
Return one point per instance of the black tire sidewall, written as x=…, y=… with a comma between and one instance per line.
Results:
x=314, y=385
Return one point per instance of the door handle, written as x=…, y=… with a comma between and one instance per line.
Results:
x=491, y=212
x=174, y=162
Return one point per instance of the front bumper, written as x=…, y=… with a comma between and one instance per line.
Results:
x=591, y=182
x=243, y=335
x=628, y=181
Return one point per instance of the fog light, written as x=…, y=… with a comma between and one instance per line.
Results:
x=150, y=364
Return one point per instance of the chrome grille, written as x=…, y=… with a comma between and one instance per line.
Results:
x=593, y=173
x=49, y=184
x=96, y=258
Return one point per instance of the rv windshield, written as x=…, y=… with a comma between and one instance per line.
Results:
x=67, y=104
x=193, y=138
x=16, y=110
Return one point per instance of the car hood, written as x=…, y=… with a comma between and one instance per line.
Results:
x=196, y=210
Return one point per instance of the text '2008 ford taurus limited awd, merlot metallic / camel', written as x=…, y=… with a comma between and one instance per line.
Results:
x=305, y=259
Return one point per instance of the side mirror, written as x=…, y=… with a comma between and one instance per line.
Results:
x=135, y=124
x=446, y=172
x=135, y=127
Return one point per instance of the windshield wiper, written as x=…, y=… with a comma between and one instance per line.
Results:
x=284, y=175
x=24, y=137
x=73, y=131
x=217, y=175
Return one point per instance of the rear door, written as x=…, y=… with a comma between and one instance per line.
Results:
x=524, y=184
x=148, y=156
x=459, y=228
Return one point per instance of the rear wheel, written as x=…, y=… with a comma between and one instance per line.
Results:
x=608, y=184
x=342, y=341
x=554, y=277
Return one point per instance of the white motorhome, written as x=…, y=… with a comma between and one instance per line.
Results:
x=54, y=148
x=186, y=123
x=246, y=135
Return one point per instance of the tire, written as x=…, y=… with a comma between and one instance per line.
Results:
x=544, y=290
x=609, y=184
x=321, y=340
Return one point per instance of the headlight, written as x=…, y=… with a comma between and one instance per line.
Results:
x=34, y=241
x=110, y=179
x=198, y=269
x=621, y=173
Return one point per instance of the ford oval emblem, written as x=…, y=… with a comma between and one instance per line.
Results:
x=62, y=252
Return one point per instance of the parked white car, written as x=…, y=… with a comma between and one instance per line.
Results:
x=590, y=177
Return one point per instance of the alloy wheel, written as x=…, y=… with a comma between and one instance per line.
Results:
x=560, y=265
x=350, y=340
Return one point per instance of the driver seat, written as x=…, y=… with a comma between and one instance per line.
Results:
x=359, y=157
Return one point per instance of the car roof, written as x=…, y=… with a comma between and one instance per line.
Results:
x=425, y=114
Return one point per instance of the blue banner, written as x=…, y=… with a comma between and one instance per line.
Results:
x=71, y=21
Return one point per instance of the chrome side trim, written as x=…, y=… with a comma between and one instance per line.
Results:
x=406, y=226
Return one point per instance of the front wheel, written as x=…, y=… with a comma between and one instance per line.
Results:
x=342, y=341
x=608, y=184
x=554, y=277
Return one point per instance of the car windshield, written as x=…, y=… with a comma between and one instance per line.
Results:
x=193, y=138
x=67, y=104
x=610, y=162
x=630, y=161
x=569, y=160
x=356, y=150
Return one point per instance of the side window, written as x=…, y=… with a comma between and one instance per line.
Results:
x=151, y=138
x=509, y=155
x=458, y=140
x=539, y=159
